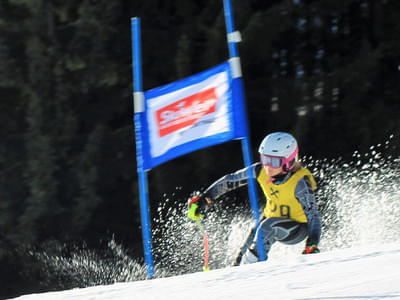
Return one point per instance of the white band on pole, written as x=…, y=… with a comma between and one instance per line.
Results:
x=138, y=102
x=235, y=67
x=234, y=37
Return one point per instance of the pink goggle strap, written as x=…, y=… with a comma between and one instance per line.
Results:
x=290, y=158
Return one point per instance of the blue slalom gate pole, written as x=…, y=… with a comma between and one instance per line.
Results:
x=233, y=38
x=139, y=110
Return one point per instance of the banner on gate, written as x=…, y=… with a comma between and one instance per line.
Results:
x=193, y=113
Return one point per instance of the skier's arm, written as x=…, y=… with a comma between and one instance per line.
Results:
x=197, y=204
x=231, y=182
x=305, y=196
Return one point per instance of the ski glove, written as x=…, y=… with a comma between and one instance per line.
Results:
x=311, y=247
x=196, y=205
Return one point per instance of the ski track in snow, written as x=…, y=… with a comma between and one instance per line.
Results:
x=354, y=273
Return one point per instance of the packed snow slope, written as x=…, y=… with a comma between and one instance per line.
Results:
x=353, y=273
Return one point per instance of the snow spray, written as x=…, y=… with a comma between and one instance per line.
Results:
x=359, y=203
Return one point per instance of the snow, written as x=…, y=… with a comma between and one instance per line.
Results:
x=360, y=244
x=353, y=273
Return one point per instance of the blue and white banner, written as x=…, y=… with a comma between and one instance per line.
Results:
x=193, y=113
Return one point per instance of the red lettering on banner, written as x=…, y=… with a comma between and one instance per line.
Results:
x=185, y=112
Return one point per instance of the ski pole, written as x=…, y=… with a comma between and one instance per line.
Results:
x=205, y=240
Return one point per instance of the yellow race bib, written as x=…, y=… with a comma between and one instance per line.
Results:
x=281, y=200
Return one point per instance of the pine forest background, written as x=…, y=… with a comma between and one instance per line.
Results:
x=327, y=71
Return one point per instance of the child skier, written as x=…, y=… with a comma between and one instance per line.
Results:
x=290, y=213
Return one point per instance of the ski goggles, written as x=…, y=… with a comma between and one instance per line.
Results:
x=272, y=161
x=278, y=161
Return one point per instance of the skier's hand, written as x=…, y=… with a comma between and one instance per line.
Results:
x=197, y=205
x=311, y=247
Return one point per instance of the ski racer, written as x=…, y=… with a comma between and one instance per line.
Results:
x=290, y=213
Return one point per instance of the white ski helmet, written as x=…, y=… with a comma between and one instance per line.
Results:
x=277, y=149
